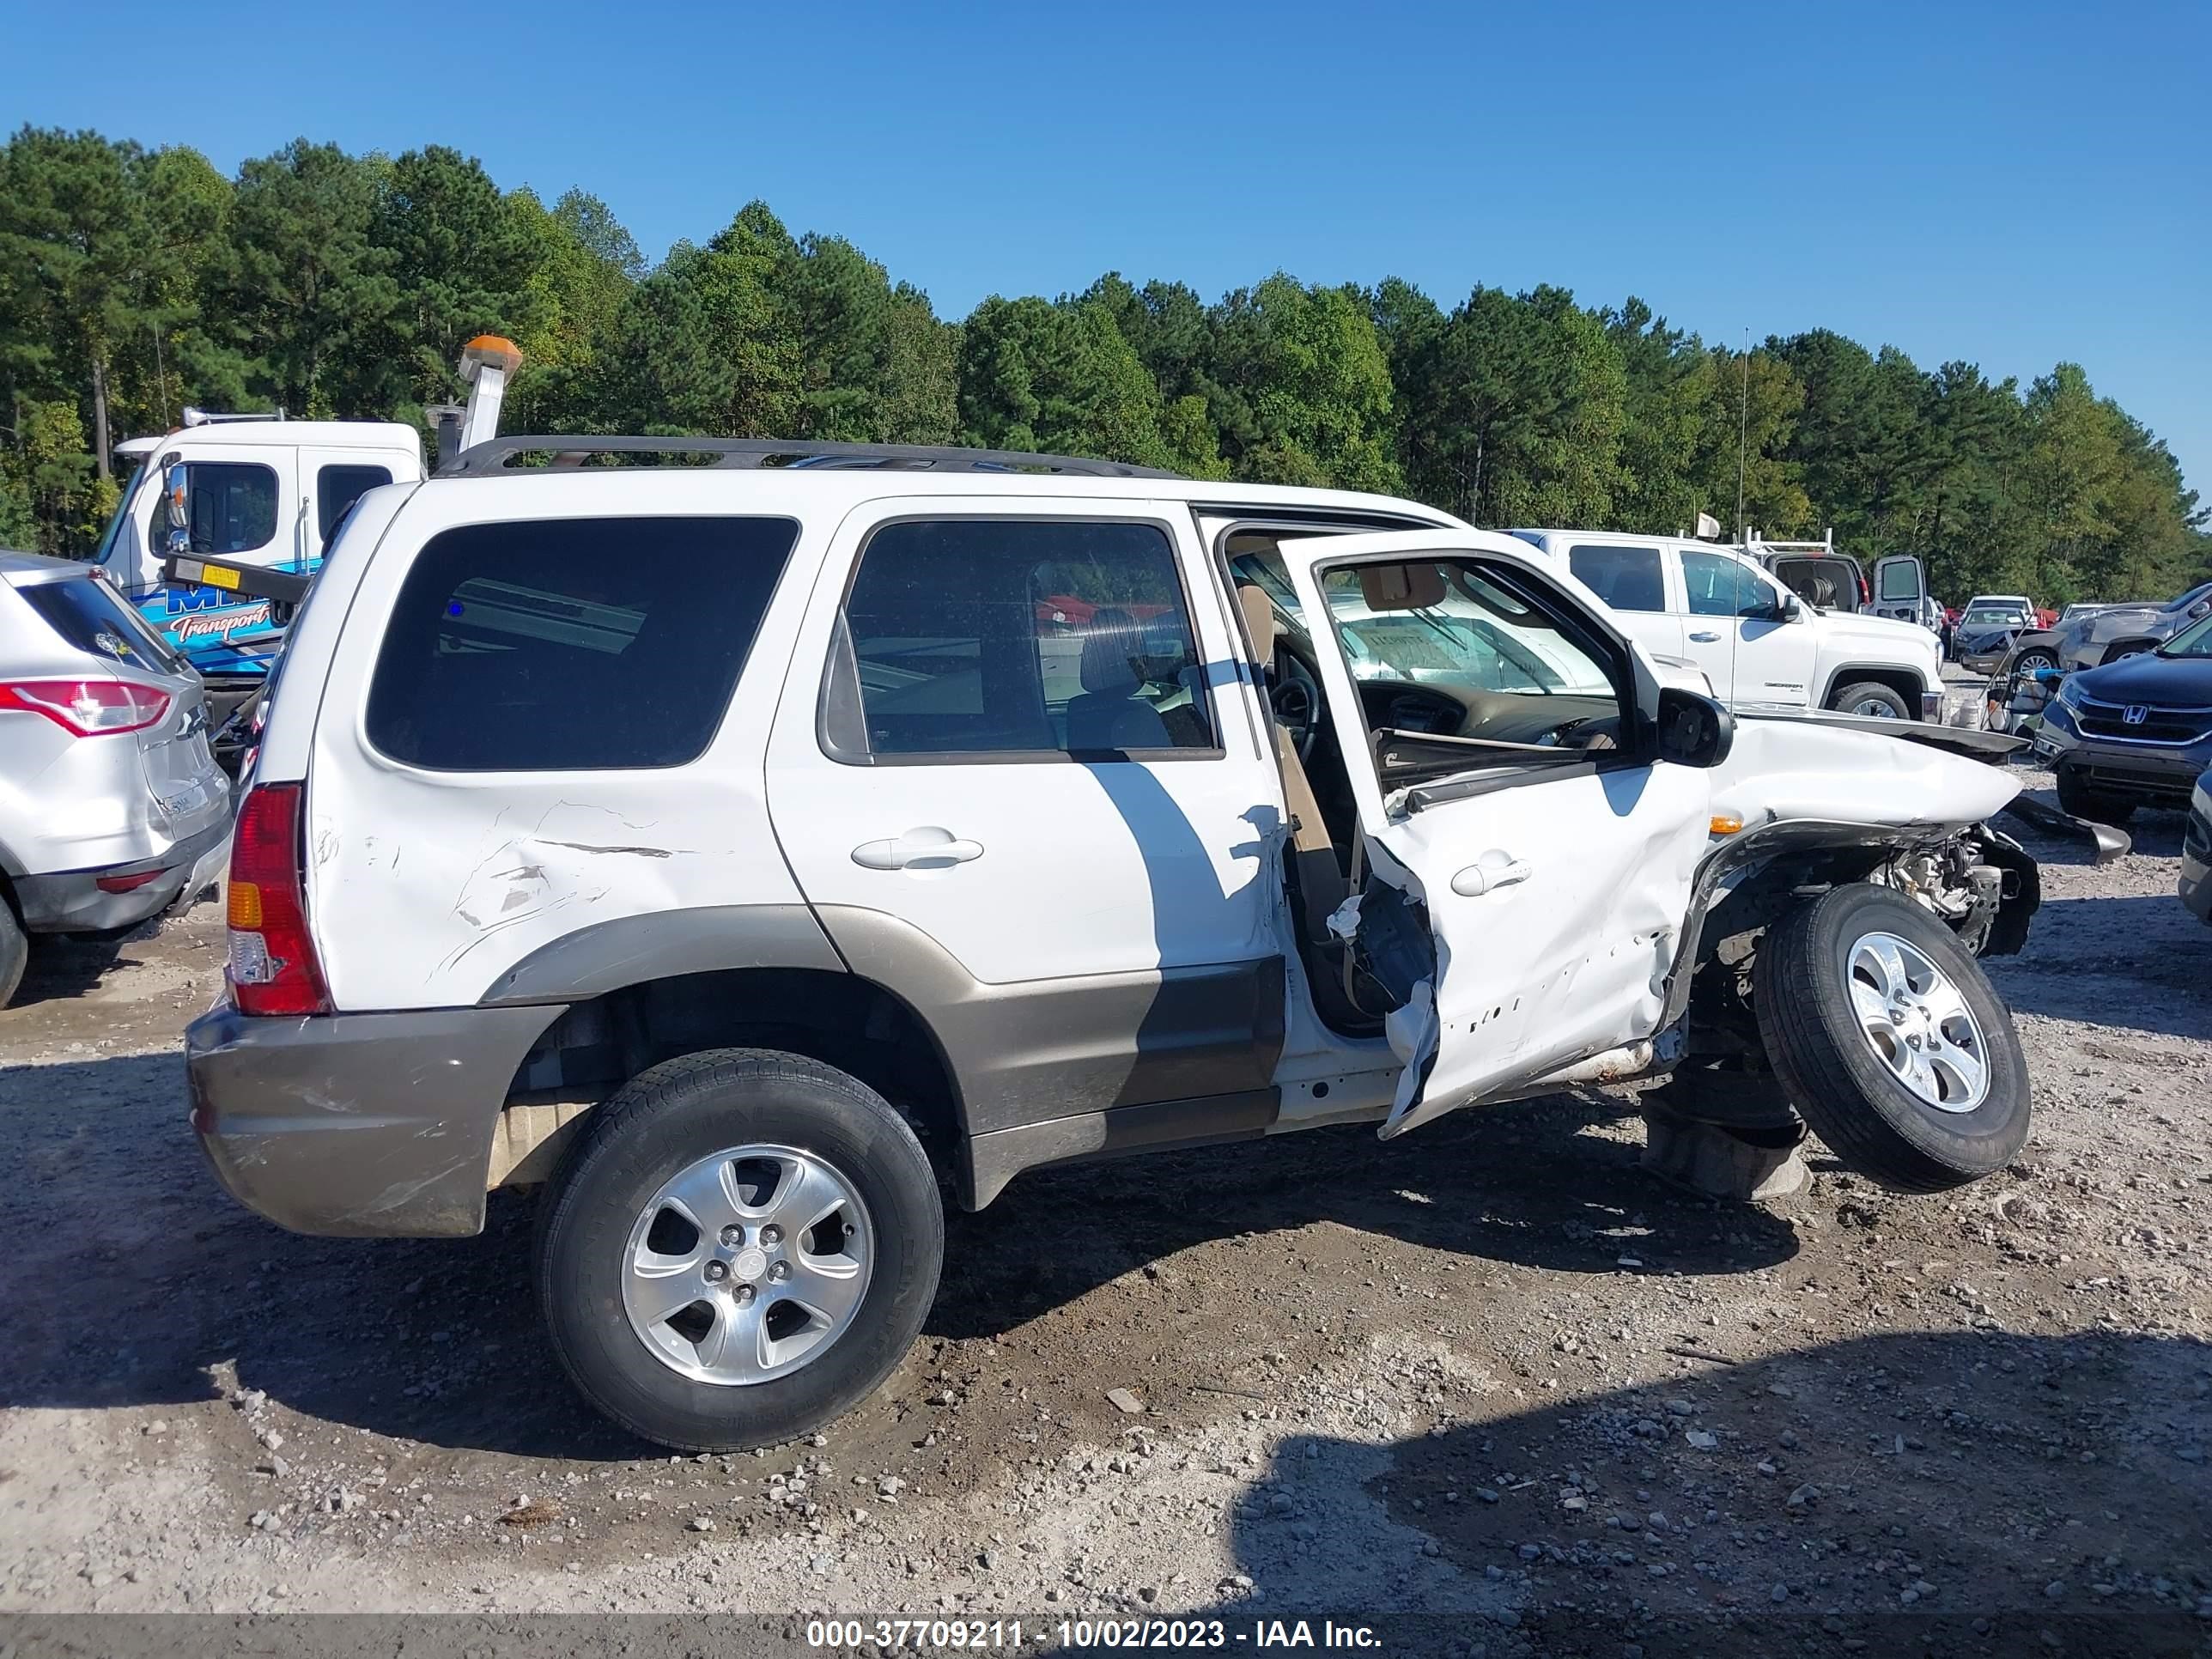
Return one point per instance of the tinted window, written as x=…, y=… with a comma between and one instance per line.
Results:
x=1721, y=586
x=1016, y=638
x=1625, y=578
x=337, y=487
x=231, y=505
x=1898, y=582
x=88, y=615
x=572, y=644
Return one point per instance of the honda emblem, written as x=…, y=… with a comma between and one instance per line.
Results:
x=2134, y=714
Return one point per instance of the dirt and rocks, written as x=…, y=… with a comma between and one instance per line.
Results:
x=1490, y=1373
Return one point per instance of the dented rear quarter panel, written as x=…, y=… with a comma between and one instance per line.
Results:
x=426, y=886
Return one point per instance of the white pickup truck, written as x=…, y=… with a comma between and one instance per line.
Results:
x=1763, y=648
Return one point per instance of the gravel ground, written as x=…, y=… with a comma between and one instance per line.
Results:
x=1490, y=1373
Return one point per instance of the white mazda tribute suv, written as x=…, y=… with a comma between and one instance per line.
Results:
x=753, y=850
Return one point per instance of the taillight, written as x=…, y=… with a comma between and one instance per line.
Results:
x=86, y=708
x=273, y=968
x=1866, y=593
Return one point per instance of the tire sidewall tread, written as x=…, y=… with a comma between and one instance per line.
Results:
x=1874, y=1124
x=670, y=1115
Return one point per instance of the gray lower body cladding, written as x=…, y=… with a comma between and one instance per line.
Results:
x=382, y=1124
x=358, y=1125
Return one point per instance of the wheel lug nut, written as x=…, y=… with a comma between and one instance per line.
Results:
x=733, y=1235
x=718, y=1270
x=779, y=1271
x=771, y=1234
x=745, y=1294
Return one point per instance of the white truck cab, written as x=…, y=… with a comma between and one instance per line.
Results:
x=259, y=490
x=1763, y=648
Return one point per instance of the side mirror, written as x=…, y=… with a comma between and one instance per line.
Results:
x=2201, y=609
x=1790, y=609
x=1693, y=729
x=181, y=518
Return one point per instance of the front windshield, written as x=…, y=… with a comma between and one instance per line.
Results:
x=1474, y=636
x=2195, y=641
x=121, y=516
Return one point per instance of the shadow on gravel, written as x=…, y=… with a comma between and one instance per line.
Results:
x=62, y=968
x=1516, y=1184
x=133, y=1280
x=1971, y=1494
x=2140, y=962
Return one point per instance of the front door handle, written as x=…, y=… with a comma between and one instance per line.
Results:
x=927, y=848
x=1703, y=638
x=1494, y=871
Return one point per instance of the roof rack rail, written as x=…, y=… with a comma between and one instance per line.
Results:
x=493, y=457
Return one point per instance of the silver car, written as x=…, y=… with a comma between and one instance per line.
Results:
x=112, y=808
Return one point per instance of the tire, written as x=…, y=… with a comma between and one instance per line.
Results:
x=15, y=952
x=2029, y=661
x=2076, y=798
x=674, y=1120
x=1868, y=694
x=1832, y=1071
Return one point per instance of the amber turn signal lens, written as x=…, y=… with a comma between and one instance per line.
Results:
x=1726, y=823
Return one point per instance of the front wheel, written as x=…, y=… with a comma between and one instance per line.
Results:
x=2078, y=800
x=741, y=1246
x=1871, y=700
x=1887, y=1037
x=15, y=952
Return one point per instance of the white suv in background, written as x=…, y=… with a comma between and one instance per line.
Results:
x=1762, y=648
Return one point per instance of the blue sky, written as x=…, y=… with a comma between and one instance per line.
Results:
x=2012, y=184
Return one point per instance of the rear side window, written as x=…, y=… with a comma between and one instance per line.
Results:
x=572, y=644
x=1019, y=639
x=1625, y=578
x=90, y=617
x=1829, y=583
x=337, y=487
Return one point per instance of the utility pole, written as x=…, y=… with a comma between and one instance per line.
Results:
x=1742, y=433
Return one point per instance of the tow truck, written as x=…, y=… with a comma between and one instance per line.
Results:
x=225, y=519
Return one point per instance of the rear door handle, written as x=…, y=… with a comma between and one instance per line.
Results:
x=1494, y=871
x=927, y=848
x=1705, y=639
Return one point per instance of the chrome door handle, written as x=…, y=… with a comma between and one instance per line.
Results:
x=1705, y=639
x=1495, y=871
x=927, y=848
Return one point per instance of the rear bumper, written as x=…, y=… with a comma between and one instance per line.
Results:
x=74, y=902
x=357, y=1126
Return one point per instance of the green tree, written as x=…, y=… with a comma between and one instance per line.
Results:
x=86, y=258
x=307, y=292
x=1057, y=378
x=1306, y=390
x=1522, y=398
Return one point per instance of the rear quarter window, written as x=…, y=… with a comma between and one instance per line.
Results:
x=572, y=644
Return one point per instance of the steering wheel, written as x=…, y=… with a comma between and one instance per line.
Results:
x=1297, y=701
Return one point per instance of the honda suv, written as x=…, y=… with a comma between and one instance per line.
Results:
x=752, y=852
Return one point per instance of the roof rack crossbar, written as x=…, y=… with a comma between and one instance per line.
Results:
x=491, y=457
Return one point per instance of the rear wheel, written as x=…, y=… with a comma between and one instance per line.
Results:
x=741, y=1246
x=1871, y=700
x=2035, y=661
x=1889, y=1039
x=15, y=952
x=2076, y=798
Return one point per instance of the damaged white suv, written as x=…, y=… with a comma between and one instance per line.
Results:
x=752, y=851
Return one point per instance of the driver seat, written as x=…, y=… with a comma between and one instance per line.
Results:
x=1318, y=884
